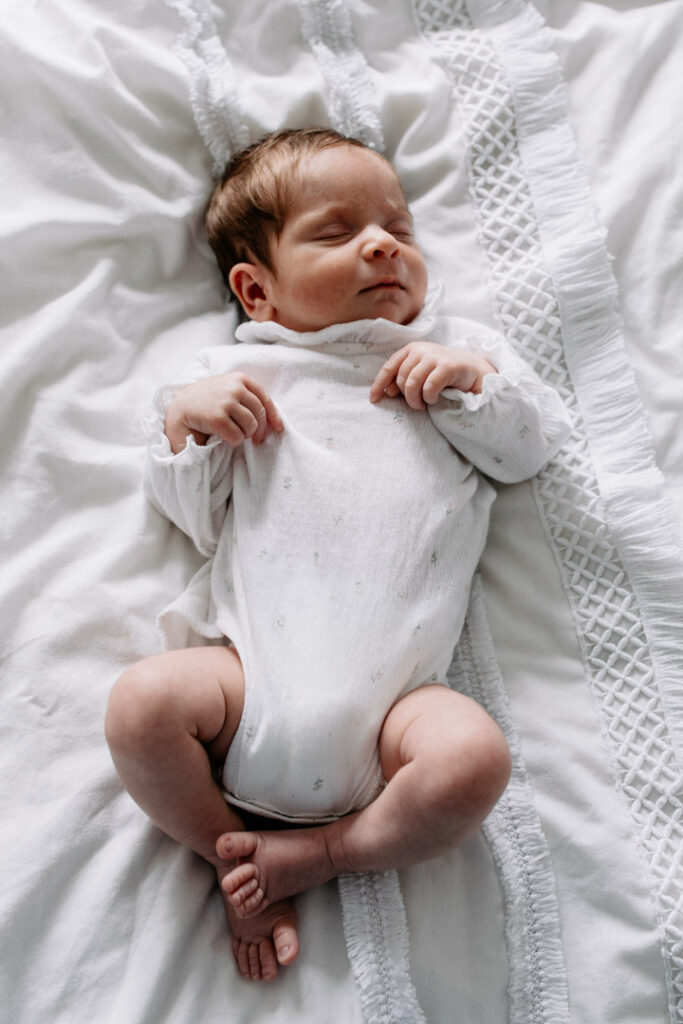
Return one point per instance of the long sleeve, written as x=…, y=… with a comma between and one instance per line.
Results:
x=190, y=488
x=514, y=427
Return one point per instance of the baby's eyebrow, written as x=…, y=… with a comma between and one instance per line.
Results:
x=403, y=211
x=329, y=213
x=312, y=219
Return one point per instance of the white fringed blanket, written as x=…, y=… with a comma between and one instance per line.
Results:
x=538, y=146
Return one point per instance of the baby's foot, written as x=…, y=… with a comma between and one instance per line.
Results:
x=265, y=941
x=273, y=866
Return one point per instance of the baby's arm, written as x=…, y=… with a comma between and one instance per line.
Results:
x=191, y=437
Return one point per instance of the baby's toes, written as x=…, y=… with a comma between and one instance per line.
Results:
x=243, y=877
x=256, y=959
x=267, y=960
x=243, y=890
x=249, y=903
x=246, y=899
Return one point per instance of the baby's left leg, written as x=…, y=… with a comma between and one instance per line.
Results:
x=446, y=763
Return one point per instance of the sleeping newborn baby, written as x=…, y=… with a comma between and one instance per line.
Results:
x=329, y=467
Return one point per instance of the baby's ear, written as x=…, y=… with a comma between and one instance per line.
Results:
x=250, y=283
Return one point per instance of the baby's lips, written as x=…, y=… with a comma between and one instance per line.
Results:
x=384, y=282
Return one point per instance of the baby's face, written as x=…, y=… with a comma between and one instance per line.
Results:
x=347, y=250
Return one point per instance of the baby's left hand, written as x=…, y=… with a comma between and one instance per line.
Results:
x=421, y=370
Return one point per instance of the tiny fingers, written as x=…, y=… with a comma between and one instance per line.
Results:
x=412, y=385
x=247, y=419
x=248, y=411
x=421, y=371
x=407, y=372
x=436, y=381
x=230, y=432
x=273, y=415
x=412, y=375
x=391, y=379
x=384, y=382
x=264, y=410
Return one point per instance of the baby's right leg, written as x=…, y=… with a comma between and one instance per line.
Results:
x=445, y=762
x=170, y=721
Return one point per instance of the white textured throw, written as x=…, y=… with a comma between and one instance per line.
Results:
x=539, y=158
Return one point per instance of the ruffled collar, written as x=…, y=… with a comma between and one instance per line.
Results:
x=359, y=335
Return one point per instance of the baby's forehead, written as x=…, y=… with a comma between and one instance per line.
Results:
x=346, y=175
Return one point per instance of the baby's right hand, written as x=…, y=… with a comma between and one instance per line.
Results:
x=231, y=405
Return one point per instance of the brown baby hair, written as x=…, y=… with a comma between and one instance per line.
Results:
x=249, y=206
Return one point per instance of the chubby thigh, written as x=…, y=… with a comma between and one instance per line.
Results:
x=199, y=690
x=450, y=742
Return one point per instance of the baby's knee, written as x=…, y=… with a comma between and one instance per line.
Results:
x=491, y=765
x=474, y=777
x=495, y=765
x=136, y=704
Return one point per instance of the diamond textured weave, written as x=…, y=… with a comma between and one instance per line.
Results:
x=617, y=653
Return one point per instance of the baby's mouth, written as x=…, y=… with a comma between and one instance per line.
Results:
x=385, y=282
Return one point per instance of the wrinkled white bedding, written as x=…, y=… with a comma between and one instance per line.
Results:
x=108, y=288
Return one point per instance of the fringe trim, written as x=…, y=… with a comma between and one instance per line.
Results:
x=631, y=484
x=328, y=32
x=376, y=932
x=602, y=503
x=213, y=89
x=537, y=987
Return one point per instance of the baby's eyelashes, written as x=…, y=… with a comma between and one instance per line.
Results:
x=402, y=229
x=332, y=232
x=339, y=231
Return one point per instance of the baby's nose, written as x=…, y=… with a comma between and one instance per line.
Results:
x=379, y=243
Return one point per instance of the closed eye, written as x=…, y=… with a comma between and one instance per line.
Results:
x=332, y=233
x=401, y=230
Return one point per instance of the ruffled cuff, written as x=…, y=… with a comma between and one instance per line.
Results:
x=158, y=444
x=508, y=375
x=492, y=385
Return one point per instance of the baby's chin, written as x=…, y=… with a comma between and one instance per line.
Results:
x=397, y=316
x=393, y=308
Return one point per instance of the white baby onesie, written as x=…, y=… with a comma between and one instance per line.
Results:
x=340, y=552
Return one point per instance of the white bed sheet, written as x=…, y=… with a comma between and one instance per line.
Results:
x=107, y=289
